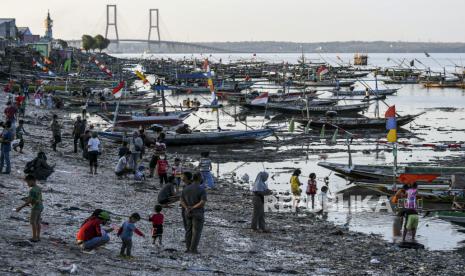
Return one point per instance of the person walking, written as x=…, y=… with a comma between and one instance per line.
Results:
x=55, y=126
x=5, y=140
x=193, y=199
x=295, y=188
x=93, y=148
x=259, y=190
x=311, y=189
x=78, y=129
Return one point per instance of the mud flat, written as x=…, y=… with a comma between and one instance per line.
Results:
x=304, y=244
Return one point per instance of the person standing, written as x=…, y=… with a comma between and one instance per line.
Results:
x=311, y=189
x=137, y=144
x=187, y=180
x=162, y=170
x=260, y=190
x=78, y=130
x=34, y=199
x=20, y=131
x=126, y=232
x=295, y=188
x=10, y=114
x=6, y=138
x=25, y=88
x=205, y=167
x=93, y=148
x=56, y=132
x=193, y=199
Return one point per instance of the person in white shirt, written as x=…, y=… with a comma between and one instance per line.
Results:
x=121, y=168
x=93, y=149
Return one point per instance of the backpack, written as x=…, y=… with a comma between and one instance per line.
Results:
x=30, y=167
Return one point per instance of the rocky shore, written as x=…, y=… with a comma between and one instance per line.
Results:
x=297, y=244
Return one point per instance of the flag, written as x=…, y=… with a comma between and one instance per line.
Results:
x=117, y=89
x=334, y=139
x=47, y=61
x=262, y=99
x=307, y=127
x=322, y=70
x=322, y=133
x=102, y=67
x=427, y=55
x=391, y=124
x=141, y=76
x=67, y=65
x=409, y=178
x=291, y=125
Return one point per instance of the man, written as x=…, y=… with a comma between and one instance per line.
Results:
x=5, y=139
x=137, y=144
x=20, y=101
x=25, y=88
x=193, y=199
x=56, y=132
x=35, y=200
x=78, y=129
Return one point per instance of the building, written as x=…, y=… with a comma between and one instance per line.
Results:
x=8, y=28
x=48, y=27
x=26, y=37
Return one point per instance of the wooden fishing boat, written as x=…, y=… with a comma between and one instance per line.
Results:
x=314, y=107
x=409, y=80
x=225, y=87
x=167, y=118
x=378, y=92
x=355, y=123
x=326, y=83
x=203, y=138
x=97, y=103
x=452, y=216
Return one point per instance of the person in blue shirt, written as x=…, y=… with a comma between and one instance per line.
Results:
x=5, y=139
x=125, y=233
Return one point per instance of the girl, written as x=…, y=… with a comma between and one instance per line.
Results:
x=93, y=148
x=295, y=188
x=311, y=189
x=411, y=202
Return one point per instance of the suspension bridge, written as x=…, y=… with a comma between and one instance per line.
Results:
x=153, y=40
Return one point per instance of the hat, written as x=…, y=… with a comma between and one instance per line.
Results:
x=104, y=216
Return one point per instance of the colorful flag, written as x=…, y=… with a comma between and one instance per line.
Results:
x=141, y=76
x=391, y=124
x=322, y=70
x=291, y=125
x=67, y=65
x=117, y=89
x=102, y=67
x=261, y=99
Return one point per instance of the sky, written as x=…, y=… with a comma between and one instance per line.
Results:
x=251, y=20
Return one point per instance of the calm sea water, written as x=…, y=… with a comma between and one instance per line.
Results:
x=444, y=121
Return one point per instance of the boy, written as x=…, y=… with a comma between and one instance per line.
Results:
x=162, y=170
x=157, y=224
x=205, y=167
x=35, y=200
x=125, y=233
x=20, y=131
x=411, y=222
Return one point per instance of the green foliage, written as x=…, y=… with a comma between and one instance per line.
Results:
x=101, y=42
x=87, y=42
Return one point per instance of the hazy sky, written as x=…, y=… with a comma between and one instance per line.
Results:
x=239, y=20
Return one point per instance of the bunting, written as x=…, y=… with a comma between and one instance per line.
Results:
x=391, y=124
x=117, y=93
x=102, y=67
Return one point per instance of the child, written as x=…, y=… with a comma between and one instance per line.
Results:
x=411, y=202
x=177, y=172
x=324, y=197
x=410, y=222
x=35, y=200
x=140, y=173
x=311, y=189
x=157, y=224
x=121, y=168
x=125, y=233
x=295, y=188
x=162, y=170
x=205, y=167
x=20, y=131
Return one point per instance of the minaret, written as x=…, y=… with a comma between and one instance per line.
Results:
x=48, y=27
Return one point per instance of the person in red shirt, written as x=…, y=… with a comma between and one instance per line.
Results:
x=91, y=235
x=162, y=170
x=157, y=220
x=20, y=104
x=10, y=113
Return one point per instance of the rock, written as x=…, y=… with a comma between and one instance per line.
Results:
x=337, y=233
x=374, y=261
x=72, y=269
x=23, y=243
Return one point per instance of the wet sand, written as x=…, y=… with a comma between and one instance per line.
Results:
x=304, y=244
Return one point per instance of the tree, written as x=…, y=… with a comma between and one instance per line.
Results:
x=87, y=42
x=62, y=43
x=101, y=42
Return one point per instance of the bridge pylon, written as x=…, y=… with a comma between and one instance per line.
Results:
x=112, y=20
x=153, y=24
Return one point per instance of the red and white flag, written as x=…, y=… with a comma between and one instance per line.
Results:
x=322, y=70
x=262, y=99
x=117, y=89
x=102, y=67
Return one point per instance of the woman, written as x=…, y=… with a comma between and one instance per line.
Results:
x=93, y=147
x=295, y=188
x=260, y=190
